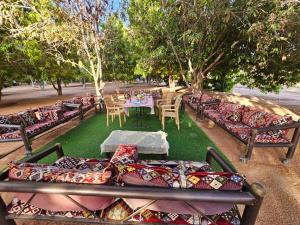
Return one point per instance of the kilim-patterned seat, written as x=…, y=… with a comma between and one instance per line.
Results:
x=254, y=127
x=117, y=190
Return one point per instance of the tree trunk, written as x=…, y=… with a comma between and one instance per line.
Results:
x=198, y=85
x=171, y=83
x=1, y=86
x=58, y=88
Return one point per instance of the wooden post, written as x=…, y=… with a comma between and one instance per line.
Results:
x=251, y=211
x=26, y=141
x=292, y=149
x=3, y=220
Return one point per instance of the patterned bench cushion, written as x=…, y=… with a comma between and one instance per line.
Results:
x=42, y=125
x=244, y=132
x=29, y=117
x=120, y=210
x=46, y=173
x=71, y=114
x=10, y=120
x=164, y=176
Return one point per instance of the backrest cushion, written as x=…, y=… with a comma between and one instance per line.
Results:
x=143, y=175
x=52, y=114
x=10, y=120
x=29, y=117
x=46, y=173
x=234, y=116
x=277, y=121
x=124, y=154
x=154, y=176
x=224, y=107
x=256, y=118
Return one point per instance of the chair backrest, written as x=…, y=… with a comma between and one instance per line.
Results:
x=108, y=101
x=177, y=103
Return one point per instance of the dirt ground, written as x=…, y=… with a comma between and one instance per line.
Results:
x=282, y=182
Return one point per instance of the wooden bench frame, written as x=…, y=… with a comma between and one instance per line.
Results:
x=251, y=195
x=27, y=139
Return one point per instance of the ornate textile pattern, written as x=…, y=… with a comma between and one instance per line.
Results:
x=124, y=154
x=280, y=120
x=10, y=120
x=149, y=216
x=118, y=210
x=186, y=166
x=53, y=114
x=29, y=117
x=234, y=116
x=257, y=119
x=35, y=128
x=179, y=177
x=215, y=115
x=228, y=106
x=82, y=164
x=11, y=135
x=16, y=205
x=45, y=173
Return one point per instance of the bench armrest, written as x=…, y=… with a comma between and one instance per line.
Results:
x=279, y=127
x=212, y=154
x=17, y=127
x=72, y=105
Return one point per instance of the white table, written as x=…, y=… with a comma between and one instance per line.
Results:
x=147, y=142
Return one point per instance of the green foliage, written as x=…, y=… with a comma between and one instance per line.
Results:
x=120, y=55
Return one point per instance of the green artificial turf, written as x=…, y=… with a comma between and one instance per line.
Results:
x=188, y=143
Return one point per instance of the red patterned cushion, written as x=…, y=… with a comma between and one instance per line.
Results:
x=45, y=173
x=42, y=125
x=124, y=154
x=255, y=118
x=29, y=117
x=71, y=114
x=144, y=175
x=215, y=115
x=11, y=135
x=267, y=138
x=234, y=116
x=229, y=217
x=10, y=120
x=228, y=106
x=280, y=120
x=52, y=114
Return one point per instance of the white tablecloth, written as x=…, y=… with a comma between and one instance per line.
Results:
x=147, y=142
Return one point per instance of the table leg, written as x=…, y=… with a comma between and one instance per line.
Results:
x=108, y=155
x=163, y=156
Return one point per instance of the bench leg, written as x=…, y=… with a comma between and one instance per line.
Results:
x=249, y=149
x=251, y=211
x=3, y=221
x=292, y=149
x=27, y=143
